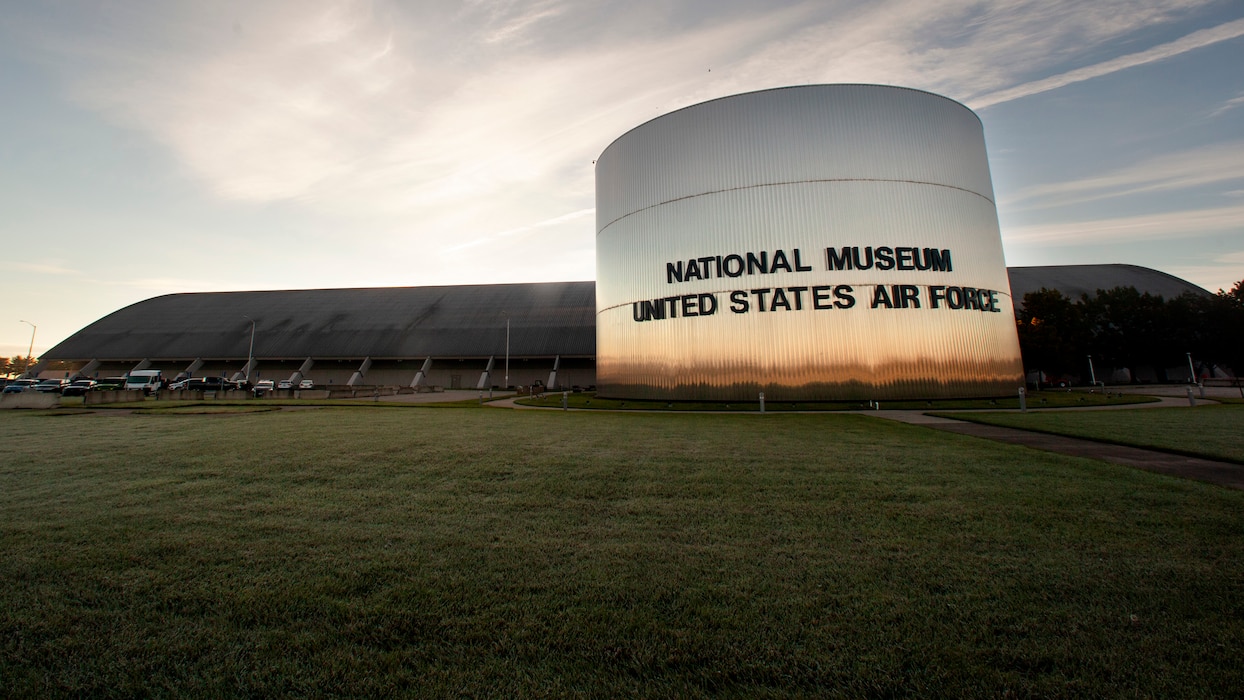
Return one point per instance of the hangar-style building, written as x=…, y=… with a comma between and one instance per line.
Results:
x=816, y=242
x=388, y=336
x=450, y=337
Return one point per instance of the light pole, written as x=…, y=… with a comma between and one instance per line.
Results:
x=250, y=353
x=31, y=350
x=507, y=349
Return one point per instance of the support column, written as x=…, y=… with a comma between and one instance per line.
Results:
x=247, y=368
x=357, y=377
x=552, y=383
x=86, y=370
x=483, y=377
x=297, y=376
x=422, y=374
x=189, y=371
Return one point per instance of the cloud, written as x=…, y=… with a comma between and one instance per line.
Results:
x=1223, y=162
x=1196, y=40
x=424, y=127
x=1165, y=225
x=1222, y=273
x=572, y=216
x=48, y=268
x=1227, y=106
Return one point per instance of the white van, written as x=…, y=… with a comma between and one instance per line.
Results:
x=144, y=380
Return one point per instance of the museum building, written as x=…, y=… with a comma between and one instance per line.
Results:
x=814, y=243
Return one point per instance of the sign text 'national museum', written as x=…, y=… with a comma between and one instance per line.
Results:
x=822, y=297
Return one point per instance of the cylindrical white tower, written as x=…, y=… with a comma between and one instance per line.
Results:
x=815, y=243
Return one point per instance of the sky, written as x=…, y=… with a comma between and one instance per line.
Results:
x=158, y=147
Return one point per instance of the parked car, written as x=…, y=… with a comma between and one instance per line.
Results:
x=51, y=386
x=306, y=384
x=210, y=384
x=285, y=384
x=79, y=387
x=19, y=385
x=145, y=380
x=263, y=386
x=110, y=384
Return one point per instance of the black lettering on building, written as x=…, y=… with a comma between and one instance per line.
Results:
x=754, y=263
x=779, y=300
x=843, y=296
x=799, y=266
x=881, y=297
x=738, y=301
x=780, y=261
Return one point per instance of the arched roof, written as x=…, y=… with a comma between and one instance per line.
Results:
x=546, y=319
x=1075, y=280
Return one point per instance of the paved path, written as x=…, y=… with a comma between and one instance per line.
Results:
x=1211, y=471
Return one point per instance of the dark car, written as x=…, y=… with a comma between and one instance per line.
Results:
x=209, y=384
x=79, y=387
x=51, y=386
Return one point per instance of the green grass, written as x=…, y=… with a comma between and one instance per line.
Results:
x=205, y=409
x=151, y=404
x=1044, y=399
x=521, y=553
x=1214, y=432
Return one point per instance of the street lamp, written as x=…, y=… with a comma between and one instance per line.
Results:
x=31, y=350
x=250, y=354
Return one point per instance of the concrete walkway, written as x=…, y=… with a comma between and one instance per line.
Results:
x=1207, y=470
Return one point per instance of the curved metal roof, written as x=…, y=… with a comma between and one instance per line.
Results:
x=1074, y=280
x=546, y=319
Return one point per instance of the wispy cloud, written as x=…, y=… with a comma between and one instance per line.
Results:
x=46, y=268
x=1175, y=171
x=572, y=216
x=1195, y=40
x=1227, y=106
x=450, y=122
x=1222, y=274
x=1166, y=225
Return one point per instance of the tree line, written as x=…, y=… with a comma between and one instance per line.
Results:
x=1122, y=328
x=15, y=365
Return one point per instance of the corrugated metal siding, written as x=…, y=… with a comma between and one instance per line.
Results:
x=402, y=322
x=801, y=168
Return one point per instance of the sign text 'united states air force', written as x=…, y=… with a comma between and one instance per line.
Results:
x=815, y=297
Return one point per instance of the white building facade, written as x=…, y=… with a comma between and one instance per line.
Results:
x=813, y=243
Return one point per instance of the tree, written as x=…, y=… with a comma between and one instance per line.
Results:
x=1051, y=333
x=16, y=364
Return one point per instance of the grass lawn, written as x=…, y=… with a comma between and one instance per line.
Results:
x=1036, y=399
x=362, y=551
x=1213, y=432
